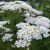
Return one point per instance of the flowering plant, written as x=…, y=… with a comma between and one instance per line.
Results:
x=34, y=26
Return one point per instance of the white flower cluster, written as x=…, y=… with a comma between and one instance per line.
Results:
x=29, y=32
x=2, y=3
x=14, y=5
x=22, y=25
x=7, y=37
x=18, y=5
x=3, y=23
x=21, y=43
x=26, y=31
x=39, y=20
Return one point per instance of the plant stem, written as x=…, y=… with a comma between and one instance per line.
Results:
x=27, y=48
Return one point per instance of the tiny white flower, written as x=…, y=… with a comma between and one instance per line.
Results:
x=27, y=14
x=7, y=37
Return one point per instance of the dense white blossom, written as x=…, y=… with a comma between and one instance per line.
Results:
x=39, y=20
x=3, y=23
x=2, y=3
x=7, y=37
x=22, y=25
x=27, y=14
x=21, y=43
x=30, y=20
x=29, y=32
x=18, y=5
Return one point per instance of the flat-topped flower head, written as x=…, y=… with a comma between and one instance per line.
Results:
x=29, y=32
x=18, y=5
x=39, y=20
